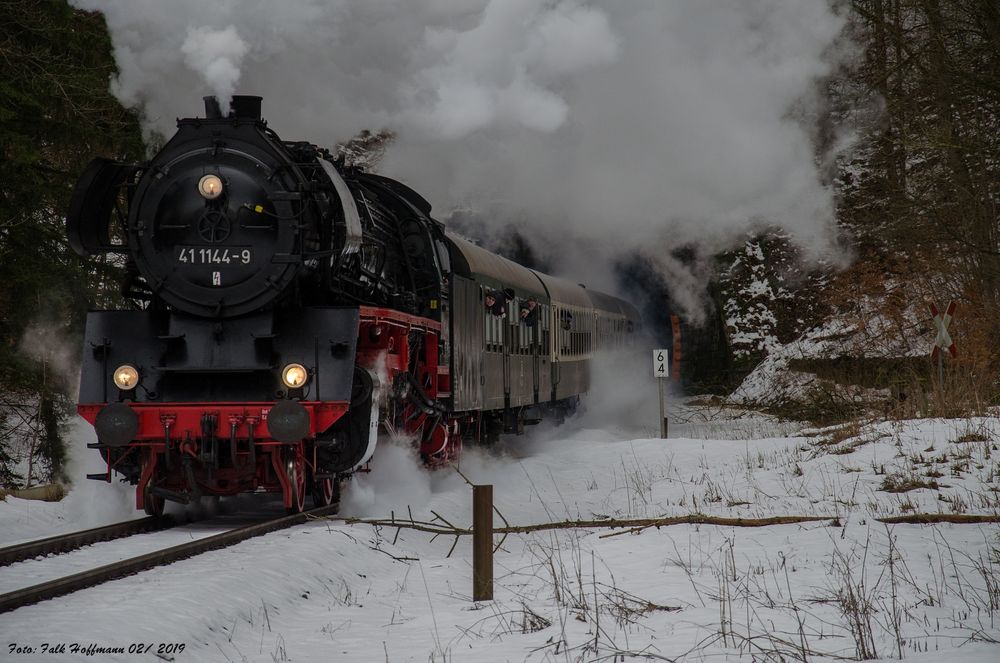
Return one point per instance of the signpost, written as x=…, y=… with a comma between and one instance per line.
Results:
x=661, y=371
x=943, y=340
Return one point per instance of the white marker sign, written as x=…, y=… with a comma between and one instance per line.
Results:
x=661, y=363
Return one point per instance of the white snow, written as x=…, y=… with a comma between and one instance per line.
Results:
x=330, y=591
x=866, y=333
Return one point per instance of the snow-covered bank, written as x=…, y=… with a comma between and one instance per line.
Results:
x=840, y=587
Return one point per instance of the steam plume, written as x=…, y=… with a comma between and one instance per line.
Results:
x=639, y=125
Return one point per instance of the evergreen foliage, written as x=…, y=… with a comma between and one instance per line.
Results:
x=921, y=193
x=56, y=113
x=9, y=479
x=918, y=195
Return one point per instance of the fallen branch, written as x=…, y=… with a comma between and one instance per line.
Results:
x=629, y=525
x=930, y=518
x=632, y=526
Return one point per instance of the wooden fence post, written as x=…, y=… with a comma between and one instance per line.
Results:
x=482, y=543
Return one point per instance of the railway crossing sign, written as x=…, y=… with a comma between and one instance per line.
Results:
x=943, y=340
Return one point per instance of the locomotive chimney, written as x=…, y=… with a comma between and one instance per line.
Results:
x=212, y=109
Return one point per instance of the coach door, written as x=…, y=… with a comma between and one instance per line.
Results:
x=535, y=339
x=467, y=345
x=555, y=339
x=540, y=354
x=508, y=343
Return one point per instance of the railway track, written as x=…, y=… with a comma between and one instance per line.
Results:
x=108, y=572
x=62, y=543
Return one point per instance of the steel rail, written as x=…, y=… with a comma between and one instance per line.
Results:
x=77, y=581
x=62, y=543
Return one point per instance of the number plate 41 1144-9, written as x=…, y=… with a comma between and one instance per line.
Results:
x=207, y=255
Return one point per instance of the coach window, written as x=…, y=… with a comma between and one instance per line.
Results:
x=572, y=336
x=444, y=256
x=554, y=330
x=546, y=326
x=493, y=331
x=579, y=328
x=565, y=325
x=574, y=344
x=487, y=332
x=557, y=340
x=515, y=334
x=543, y=335
x=497, y=333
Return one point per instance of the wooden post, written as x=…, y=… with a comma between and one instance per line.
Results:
x=941, y=376
x=482, y=543
x=663, y=412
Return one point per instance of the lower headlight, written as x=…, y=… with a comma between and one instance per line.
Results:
x=294, y=375
x=126, y=377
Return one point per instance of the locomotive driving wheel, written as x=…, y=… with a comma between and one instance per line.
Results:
x=295, y=468
x=325, y=491
x=152, y=504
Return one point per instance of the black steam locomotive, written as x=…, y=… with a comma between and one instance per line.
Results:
x=288, y=308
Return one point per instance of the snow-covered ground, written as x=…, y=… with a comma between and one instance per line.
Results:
x=844, y=586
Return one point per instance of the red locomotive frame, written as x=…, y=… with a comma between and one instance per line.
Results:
x=261, y=463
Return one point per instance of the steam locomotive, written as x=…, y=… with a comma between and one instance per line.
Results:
x=289, y=308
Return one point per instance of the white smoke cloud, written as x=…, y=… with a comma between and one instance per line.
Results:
x=93, y=503
x=217, y=55
x=50, y=343
x=495, y=72
x=646, y=124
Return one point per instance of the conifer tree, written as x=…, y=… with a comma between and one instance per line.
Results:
x=56, y=113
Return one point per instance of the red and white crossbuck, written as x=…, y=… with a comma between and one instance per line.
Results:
x=943, y=340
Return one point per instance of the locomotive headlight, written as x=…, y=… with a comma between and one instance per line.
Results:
x=210, y=187
x=126, y=377
x=294, y=375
